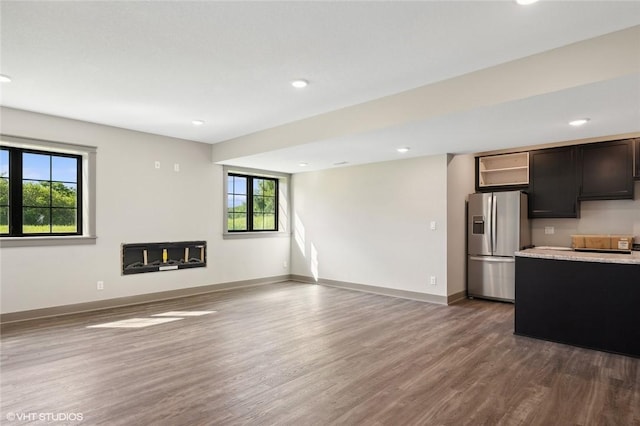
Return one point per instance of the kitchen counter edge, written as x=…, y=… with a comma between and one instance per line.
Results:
x=633, y=258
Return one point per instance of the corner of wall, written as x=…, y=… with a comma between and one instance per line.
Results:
x=460, y=183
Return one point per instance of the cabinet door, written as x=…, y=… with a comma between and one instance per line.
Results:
x=553, y=189
x=636, y=145
x=606, y=170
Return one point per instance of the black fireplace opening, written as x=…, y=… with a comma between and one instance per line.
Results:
x=153, y=257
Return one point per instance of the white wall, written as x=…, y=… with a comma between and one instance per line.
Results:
x=135, y=203
x=364, y=224
x=596, y=217
x=369, y=224
x=460, y=183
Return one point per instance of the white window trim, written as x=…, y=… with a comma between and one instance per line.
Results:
x=284, y=203
x=88, y=154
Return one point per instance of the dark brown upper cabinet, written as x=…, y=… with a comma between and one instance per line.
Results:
x=606, y=170
x=636, y=148
x=553, y=189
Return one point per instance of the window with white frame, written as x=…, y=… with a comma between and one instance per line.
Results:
x=256, y=202
x=252, y=203
x=40, y=193
x=47, y=189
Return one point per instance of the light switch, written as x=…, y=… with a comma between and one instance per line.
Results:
x=157, y=164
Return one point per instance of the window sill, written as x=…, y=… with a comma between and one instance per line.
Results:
x=245, y=235
x=47, y=241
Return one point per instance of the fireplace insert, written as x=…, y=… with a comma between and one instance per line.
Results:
x=152, y=257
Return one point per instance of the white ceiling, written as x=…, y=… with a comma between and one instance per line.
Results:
x=156, y=66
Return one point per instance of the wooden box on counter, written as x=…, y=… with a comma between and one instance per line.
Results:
x=602, y=242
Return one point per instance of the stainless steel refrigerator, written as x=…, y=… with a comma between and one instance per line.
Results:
x=498, y=226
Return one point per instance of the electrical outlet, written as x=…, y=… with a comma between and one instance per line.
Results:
x=433, y=225
x=549, y=230
x=432, y=280
x=285, y=264
x=176, y=167
x=100, y=285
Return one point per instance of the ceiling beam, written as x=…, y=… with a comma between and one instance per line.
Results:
x=598, y=59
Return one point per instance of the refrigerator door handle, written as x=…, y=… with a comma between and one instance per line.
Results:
x=494, y=222
x=490, y=220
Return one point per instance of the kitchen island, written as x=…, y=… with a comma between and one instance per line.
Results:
x=579, y=298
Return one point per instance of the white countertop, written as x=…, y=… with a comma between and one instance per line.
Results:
x=581, y=256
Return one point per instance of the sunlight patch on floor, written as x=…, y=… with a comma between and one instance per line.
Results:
x=184, y=313
x=134, y=323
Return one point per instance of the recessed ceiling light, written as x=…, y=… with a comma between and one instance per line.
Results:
x=579, y=122
x=5, y=78
x=303, y=164
x=525, y=2
x=299, y=84
x=403, y=150
x=197, y=122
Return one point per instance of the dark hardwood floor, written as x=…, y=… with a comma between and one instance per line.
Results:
x=300, y=354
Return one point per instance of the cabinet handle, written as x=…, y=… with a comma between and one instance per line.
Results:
x=492, y=259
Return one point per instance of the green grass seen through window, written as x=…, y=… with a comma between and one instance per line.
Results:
x=239, y=223
x=41, y=229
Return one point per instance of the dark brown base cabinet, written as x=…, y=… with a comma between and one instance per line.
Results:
x=589, y=304
x=553, y=189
